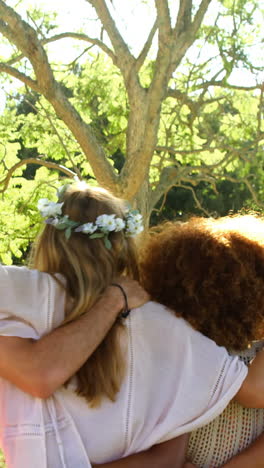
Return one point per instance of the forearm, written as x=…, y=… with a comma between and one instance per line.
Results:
x=40, y=367
x=252, y=457
x=142, y=459
x=75, y=342
x=170, y=454
x=251, y=393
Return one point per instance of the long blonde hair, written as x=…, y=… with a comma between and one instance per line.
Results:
x=89, y=267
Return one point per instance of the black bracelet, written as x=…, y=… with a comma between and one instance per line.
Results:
x=126, y=310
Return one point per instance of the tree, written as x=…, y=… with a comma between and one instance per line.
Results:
x=186, y=122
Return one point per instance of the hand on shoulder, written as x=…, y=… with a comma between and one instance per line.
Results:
x=136, y=295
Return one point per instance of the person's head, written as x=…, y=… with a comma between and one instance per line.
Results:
x=87, y=239
x=81, y=252
x=211, y=272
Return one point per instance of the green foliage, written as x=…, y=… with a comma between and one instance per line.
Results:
x=100, y=97
x=2, y=460
x=211, y=133
x=19, y=219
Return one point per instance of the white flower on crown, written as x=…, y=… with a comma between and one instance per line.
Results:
x=106, y=222
x=87, y=228
x=103, y=225
x=52, y=221
x=133, y=228
x=120, y=224
x=137, y=218
x=134, y=224
x=49, y=208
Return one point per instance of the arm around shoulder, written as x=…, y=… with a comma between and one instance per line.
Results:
x=251, y=393
x=39, y=367
x=170, y=454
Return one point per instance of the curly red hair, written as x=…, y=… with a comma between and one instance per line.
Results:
x=211, y=272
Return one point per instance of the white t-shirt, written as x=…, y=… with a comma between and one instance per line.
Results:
x=177, y=380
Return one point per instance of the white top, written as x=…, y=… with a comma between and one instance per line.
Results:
x=176, y=381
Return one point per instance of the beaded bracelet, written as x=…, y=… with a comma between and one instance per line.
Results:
x=126, y=310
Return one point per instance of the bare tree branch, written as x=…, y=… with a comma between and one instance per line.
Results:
x=260, y=110
x=6, y=31
x=224, y=84
x=19, y=76
x=172, y=150
x=184, y=98
x=249, y=187
x=199, y=16
x=39, y=162
x=25, y=38
x=71, y=35
x=124, y=58
x=183, y=39
x=184, y=17
x=143, y=54
x=82, y=37
x=164, y=20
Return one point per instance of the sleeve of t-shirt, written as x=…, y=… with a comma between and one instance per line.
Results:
x=180, y=380
x=31, y=302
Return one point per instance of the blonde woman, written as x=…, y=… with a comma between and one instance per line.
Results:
x=137, y=378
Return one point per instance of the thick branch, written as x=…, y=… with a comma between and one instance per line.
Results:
x=146, y=122
x=95, y=154
x=124, y=58
x=169, y=177
x=39, y=162
x=5, y=30
x=184, y=17
x=183, y=39
x=164, y=20
x=26, y=40
x=172, y=176
x=19, y=76
x=143, y=54
x=199, y=16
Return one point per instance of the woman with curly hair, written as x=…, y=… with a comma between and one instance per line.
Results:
x=211, y=273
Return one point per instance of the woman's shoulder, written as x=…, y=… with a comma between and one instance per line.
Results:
x=20, y=274
x=30, y=295
x=157, y=316
x=158, y=328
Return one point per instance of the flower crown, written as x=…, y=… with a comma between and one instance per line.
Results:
x=103, y=225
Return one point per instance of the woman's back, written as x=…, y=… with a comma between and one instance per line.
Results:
x=176, y=381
